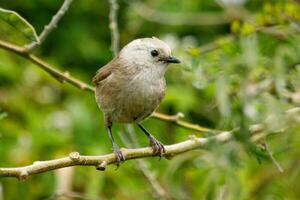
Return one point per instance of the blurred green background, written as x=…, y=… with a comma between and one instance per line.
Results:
x=241, y=66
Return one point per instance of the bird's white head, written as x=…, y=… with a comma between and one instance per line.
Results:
x=148, y=53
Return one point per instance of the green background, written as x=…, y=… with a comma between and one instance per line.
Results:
x=251, y=79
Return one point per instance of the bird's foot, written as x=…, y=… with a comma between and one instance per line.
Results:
x=158, y=148
x=119, y=155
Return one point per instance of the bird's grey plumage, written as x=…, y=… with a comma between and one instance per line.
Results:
x=131, y=86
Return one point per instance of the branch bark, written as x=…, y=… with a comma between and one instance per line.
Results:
x=258, y=132
x=176, y=119
x=113, y=26
x=100, y=162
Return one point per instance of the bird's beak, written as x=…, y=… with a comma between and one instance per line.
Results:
x=171, y=59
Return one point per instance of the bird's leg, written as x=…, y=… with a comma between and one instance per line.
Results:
x=158, y=148
x=116, y=149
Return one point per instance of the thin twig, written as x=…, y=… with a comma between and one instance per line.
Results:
x=176, y=119
x=142, y=166
x=270, y=153
x=113, y=26
x=157, y=187
x=48, y=28
x=188, y=19
x=272, y=30
x=211, y=46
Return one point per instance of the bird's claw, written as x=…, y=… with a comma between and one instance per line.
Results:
x=119, y=156
x=158, y=148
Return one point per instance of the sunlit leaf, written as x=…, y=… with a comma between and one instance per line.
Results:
x=19, y=23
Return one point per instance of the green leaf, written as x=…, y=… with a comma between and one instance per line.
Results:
x=19, y=23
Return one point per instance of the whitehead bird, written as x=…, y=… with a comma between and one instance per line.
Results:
x=131, y=86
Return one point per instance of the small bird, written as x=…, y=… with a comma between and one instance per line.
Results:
x=131, y=86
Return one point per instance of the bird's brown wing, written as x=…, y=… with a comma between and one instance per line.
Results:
x=104, y=72
x=101, y=74
x=118, y=67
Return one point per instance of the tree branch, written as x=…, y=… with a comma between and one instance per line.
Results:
x=100, y=162
x=258, y=132
x=48, y=28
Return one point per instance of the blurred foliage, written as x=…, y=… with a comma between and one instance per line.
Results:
x=233, y=75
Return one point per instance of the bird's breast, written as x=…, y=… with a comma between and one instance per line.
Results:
x=128, y=98
x=146, y=89
x=140, y=97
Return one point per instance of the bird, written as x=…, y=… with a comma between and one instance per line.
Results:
x=130, y=87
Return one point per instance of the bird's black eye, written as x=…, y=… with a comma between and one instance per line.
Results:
x=154, y=53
